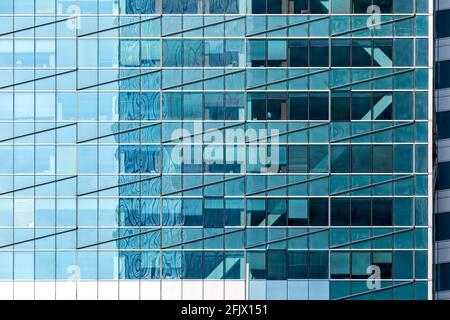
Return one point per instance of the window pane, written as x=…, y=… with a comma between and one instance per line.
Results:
x=382, y=212
x=362, y=53
x=276, y=265
x=443, y=74
x=340, y=53
x=298, y=53
x=360, y=6
x=172, y=53
x=257, y=264
x=318, y=106
x=443, y=271
x=298, y=106
x=361, y=106
x=298, y=159
x=318, y=159
x=340, y=212
x=340, y=265
x=319, y=6
x=193, y=53
x=361, y=212
x=273, y=6
x=340, y=159
x=256, y=55
x=319, y=53
x=384, y=261
x=318, y=264
x=340, y=107
x=276, y=53
x=318, y=212
x=361, y=159
x=298, y=264
x=298, y=212
x=382, y=53
x=442, y=19
x=443, y=175
x=382, y=159
x=256, y=106
x=276, y=106
x=276, y=212
x=443, y=226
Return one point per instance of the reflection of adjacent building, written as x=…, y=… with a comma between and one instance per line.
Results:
x=350, y=190
x=141, y=163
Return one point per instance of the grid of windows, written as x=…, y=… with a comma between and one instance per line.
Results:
x=93, y=106
x=442, y=83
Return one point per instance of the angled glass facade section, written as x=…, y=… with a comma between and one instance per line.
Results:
x=245, y=149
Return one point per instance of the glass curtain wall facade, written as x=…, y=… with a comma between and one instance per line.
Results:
x=442, y=105
x=199, y=149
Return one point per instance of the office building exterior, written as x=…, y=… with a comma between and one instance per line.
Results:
x=442, y=206
x=221, y=149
